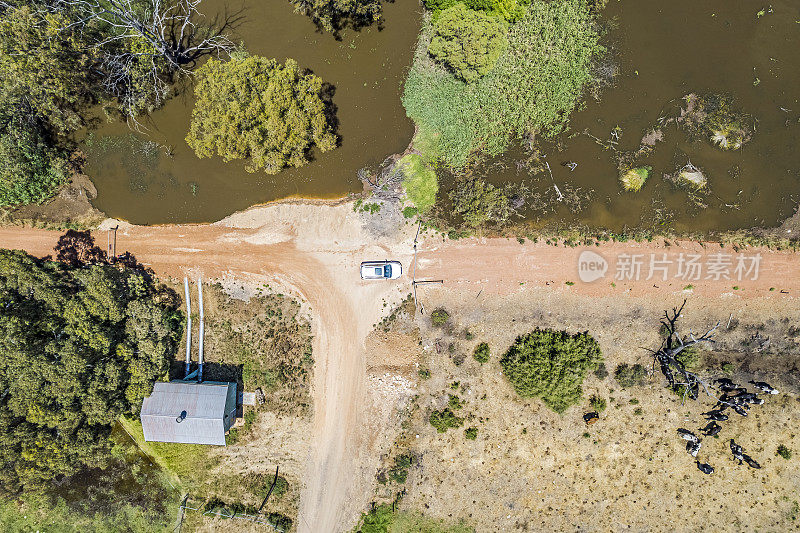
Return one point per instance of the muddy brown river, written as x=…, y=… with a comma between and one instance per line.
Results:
x=663, y=50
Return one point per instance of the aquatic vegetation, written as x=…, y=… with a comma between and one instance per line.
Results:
x=634, y=179
x=510, y=10
x=692, y=177
x=532, y=89
x=467, y=42
x=712, y=116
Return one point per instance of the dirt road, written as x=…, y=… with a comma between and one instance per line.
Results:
x=314, y=252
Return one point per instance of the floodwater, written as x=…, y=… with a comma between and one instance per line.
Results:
x=155, y=177
x=664, y=50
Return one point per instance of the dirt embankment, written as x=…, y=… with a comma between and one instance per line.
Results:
x=313, y=252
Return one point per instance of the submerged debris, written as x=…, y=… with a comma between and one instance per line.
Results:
x=634, y=179
x=712, y=116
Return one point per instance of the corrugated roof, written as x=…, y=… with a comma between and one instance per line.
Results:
x=207, y=407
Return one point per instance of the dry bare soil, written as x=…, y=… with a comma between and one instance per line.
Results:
x=530, y=469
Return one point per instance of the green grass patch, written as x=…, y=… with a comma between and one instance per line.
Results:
x=471, y=433
x=419, y=182
x=381, y=519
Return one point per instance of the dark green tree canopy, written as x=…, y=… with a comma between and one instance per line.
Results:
x=335, y=15
x=256, y=109
x=79, y=346
x=32, y=165
x=468, y=42
x=551, y=365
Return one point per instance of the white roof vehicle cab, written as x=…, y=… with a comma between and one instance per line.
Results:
x=381, y=269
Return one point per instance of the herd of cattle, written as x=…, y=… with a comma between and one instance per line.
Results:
x=739, y=400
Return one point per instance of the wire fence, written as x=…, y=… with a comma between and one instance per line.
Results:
x=221, y=513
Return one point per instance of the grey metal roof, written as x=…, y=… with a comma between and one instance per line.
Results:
x=210, y=411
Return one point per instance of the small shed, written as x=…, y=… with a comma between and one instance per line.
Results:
x=189, y=412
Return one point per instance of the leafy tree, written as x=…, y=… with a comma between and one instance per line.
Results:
x=551, y=365
x=46, y=68
x=334, y=15
x=32, y=165
x=467, y=42
x=254, y=108
x=79, y=346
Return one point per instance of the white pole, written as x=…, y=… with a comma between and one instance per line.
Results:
x=202, y=330
x=188, y=326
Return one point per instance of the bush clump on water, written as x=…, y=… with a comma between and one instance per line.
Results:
x=481, y=353
x=535, y=84
x=630, y=376
x=634, y=179
x=439, y=317
x=419, y=182
x=467, y=42
x=551, y=365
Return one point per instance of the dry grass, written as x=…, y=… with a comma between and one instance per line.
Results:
x=531, y=469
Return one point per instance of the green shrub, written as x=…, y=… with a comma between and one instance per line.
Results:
x=471, y=433
x=535, y=84
x=481, y=353
x=454, y=402
x=439, y=317
x=410, y=211
x=601, y=372
x=598, y=404
x=399, y=472
x=630, y=376
x=728, y=367
x=419, y=182
x=551, y=365
x=784, y=452
x=445, y=419
x=467, y=42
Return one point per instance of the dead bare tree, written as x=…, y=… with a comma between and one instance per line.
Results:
x=680, y=379
x=144, y=45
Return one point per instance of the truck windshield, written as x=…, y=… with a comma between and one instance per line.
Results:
x=387, y=271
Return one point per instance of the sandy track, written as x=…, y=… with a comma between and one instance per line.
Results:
x=314, y=252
